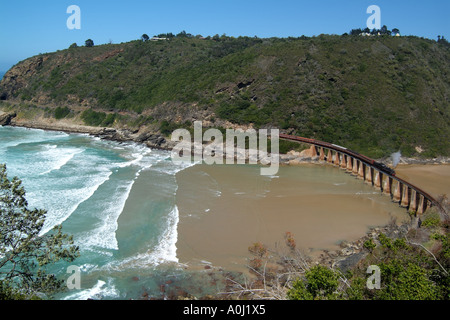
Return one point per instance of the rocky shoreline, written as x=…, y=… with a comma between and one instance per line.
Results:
x=158, y=141
x=351, y=253
x=152, y=140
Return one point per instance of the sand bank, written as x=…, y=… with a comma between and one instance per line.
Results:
x=225, y=209
x=433, y=178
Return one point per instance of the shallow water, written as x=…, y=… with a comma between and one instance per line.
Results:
x=117, y=200
x=225, y=209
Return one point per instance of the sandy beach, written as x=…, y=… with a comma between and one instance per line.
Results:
x=435, y=179
x=225, y=209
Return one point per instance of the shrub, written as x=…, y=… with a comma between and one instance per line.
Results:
x=290, y=241
x=369, y=245
x=93, y=118
x=258, y=249
x=431, y=220
x=61, y=112
x=320, y=283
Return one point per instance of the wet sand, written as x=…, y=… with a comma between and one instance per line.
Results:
x=432, y=178
x=226, y=208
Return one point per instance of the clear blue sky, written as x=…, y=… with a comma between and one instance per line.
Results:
x=30, y=27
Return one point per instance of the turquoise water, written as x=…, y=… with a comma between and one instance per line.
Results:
x=117, y=200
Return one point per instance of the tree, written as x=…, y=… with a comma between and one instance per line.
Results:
x=24, y=251
x=89, y=43
x=355, y=32
x=73, y=45
x=385, y=30
x=182, y=34
x=442, y=40
x=395, y=31
x=145, y=37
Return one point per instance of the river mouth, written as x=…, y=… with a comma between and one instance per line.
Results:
x=224, y=209
x=139, y=219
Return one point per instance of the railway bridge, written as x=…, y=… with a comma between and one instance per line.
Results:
x=378, y=174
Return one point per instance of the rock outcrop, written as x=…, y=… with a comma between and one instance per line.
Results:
x=18, y=76
x=5, y=118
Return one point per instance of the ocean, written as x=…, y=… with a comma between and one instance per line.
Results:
x=89, y=186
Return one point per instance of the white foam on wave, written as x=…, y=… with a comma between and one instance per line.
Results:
x=58, y=157
x=62, y=207
x=104, y=235
x=165, y=251
x=37, y=136
x=100, y=290
x=173, y=167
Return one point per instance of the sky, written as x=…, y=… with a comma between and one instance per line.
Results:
x=31, y=27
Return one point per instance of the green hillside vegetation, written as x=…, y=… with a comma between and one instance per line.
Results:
x=376, y=95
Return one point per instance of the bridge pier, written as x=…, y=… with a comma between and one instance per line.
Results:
x=355, y=167
x=413, y=202
x=313, y=151
x=398, y=192
x=329, y=156
x=349, y=164
x=369, y=175
x=362, y=171
x=422, y=205
x=387, y=185
x=336, y=159
x=343, y=162
x=405, y=197
x=377, y=180
x=321, y=154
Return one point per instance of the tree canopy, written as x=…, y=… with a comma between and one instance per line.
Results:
x=24, y=251
x=89, y=43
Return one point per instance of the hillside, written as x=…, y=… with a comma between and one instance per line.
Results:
x=376, y=95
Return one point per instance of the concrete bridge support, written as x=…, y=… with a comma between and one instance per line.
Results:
x=405, y=197
x=377, y=180
x=355, y=167
x=362, y=171
x=413, y=203
x=369, y=175
x=336, y=158
x=387, y=185
x=397, y=196
x=349, y=164
x=329, y=156
x=343, y=161
x=422, y=205
x=313, y=151
x=321, y=154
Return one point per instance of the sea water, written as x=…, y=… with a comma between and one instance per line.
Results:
x=116, y=199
